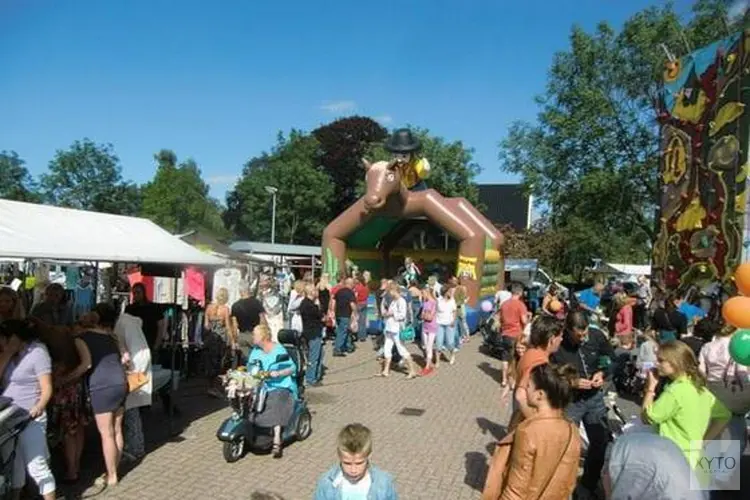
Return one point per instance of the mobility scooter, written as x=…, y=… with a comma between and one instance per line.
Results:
x=245, y=390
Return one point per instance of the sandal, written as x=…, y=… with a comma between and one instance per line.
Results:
x=276, y=451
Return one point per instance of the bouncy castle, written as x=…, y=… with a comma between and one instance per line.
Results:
x=370, y=233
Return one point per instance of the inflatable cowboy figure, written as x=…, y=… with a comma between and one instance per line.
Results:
x=405, y=149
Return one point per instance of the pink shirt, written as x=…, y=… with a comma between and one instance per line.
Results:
x=714, y=361
x=429, y=308
x=624, y=320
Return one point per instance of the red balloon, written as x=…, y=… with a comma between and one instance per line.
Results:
x=736, y=312
x=742, y=279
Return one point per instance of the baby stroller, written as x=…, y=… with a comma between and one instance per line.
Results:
x=627, y=377
x=13, y=420
x=491, y=336
x=238, y=433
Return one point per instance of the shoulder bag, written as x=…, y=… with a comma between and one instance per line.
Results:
x=732, y=391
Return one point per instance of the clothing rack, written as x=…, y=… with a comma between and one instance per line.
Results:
x=184, y=339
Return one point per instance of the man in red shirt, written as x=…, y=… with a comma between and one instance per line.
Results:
x=362, y=292
x=514, y=317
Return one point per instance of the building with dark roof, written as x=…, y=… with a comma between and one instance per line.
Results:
x=506, y=204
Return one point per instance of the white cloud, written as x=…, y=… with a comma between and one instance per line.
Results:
x=222, y=180
x=338, y=106
x=385, y=119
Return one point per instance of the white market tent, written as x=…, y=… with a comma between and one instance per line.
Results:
x=32, y=231
x=623, y=269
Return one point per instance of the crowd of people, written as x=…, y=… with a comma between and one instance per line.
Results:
x=556, y=369
x=565, y=363
x=66, y=375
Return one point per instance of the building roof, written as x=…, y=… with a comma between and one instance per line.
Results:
x=205, y=242
x=255, y=247
x=505, y=204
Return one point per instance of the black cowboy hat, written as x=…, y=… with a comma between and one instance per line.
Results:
x=402, y=141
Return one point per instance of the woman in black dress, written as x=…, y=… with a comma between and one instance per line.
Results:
x=102, y=362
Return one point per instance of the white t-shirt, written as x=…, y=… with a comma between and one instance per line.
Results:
x=397, y=316
x=446, y=310
x=355, y=491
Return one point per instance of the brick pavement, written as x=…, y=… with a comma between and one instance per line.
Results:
x=440, y=454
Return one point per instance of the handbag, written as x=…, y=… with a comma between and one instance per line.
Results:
x=354, y=324
x=732, y=393
x=407, y=333
x=136, y=380
x=497, y=475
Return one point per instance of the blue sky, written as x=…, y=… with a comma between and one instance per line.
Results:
x=216, y=81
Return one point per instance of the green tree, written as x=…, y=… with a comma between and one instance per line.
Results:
x=15, y=181
x=592, y=157
x=303, y=202
x=342, y=144
x=88, y=176
x=452, y=166
x=177, y=198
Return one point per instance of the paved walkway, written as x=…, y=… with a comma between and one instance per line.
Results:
x=432, y=433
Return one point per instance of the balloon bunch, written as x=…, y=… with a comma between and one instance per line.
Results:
x=736, y=312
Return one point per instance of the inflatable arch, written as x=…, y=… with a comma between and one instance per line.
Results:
x=479, y=264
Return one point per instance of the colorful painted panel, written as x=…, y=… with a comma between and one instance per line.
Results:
x=704, y=165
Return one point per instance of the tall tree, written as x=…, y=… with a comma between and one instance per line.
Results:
x=452, y=166
x=592, y=157
x=177, y=198
x=303, y=201
x=15, y=181
x=88, y=176
x=343, y=143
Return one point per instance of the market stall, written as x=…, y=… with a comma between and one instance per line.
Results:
x=43, y=233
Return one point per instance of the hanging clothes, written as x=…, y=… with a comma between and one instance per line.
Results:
x=83, y=298
x=228, y=278
x=195, y=285
x=72, y=277
x=163, y=291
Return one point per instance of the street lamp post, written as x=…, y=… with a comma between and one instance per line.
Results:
x=272, y=191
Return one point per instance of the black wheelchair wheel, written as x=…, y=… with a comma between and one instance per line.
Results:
x=304, y=425
x=233, y=450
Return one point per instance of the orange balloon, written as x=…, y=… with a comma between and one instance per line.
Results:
x=736, y=312
x=742, y=279
x=555, y=306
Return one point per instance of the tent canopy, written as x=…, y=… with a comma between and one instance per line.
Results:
x=35, y=231
x=627, y=269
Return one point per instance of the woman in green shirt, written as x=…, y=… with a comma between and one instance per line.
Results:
x=684, y=410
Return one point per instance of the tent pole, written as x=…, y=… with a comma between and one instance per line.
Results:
x=96, y=282
x=173, y=355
